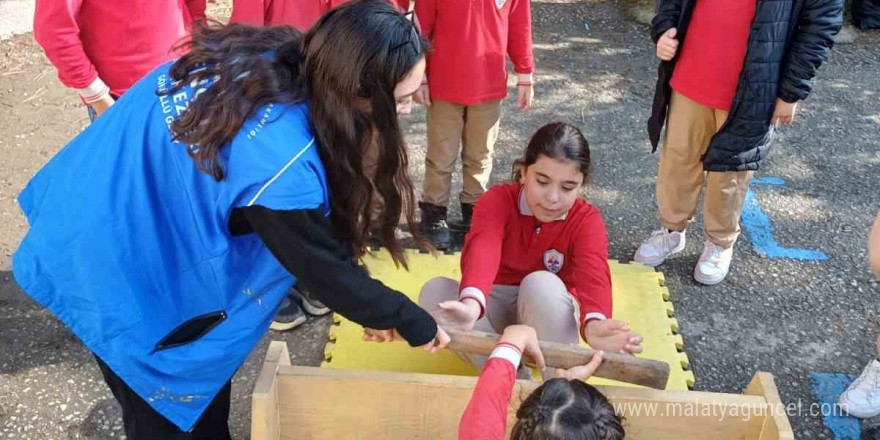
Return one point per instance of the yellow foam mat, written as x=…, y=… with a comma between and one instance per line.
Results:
x=640, y=299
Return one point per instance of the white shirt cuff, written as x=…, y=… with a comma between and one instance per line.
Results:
x=526, y=78
x=587, y=318
x=594, y=315
x=94, y=91
x=507, y=352
x=474, y=293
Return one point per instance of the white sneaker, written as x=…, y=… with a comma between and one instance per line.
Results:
x=714, y=264
x=658, y=246
x=862, y=398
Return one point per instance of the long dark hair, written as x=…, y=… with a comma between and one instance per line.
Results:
x=556, y=140
x=563, y=409
x=347, y=67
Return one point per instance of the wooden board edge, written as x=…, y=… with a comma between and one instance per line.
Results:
x=265, y=424
x=523, y=386
x=776, y=425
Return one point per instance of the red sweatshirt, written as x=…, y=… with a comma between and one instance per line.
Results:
x=713, y=52
x=575, y=248
x=471, y=40
x=116, y=42
x=301, y=14
x=485, y=417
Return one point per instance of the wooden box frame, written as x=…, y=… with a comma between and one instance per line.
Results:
x=316, y=403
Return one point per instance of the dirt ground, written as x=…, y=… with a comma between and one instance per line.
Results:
x=596, y=70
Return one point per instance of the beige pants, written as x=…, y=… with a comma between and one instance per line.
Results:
x=688, y=132
x=475, y=129
x=540, y=301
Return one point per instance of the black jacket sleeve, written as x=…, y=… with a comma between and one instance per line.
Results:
x=304, y=243
x=668, y=12
x=818, y=23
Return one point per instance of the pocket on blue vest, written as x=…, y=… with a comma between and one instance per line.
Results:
x=191, y=330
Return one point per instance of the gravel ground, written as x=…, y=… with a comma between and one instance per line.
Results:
x=595, y=69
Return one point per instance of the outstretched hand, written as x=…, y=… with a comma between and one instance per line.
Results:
x=440, y=341
x=457, y=315
x=525, y=339
x=581, y=372
x=612, y=336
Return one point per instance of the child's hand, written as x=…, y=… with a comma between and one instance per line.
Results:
x=100, y=106
x=667, y=45
x=784, y=112
x=581, y=372
x=458, y=315
x=525, y=338
x=524, y=96
x=613, y=336
x=373, y=335
x=441, y=340
x=405, y=107
x=423, y=95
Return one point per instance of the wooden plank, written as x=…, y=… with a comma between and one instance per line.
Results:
x=629, y=369
x=332, y=404
x=776, y=426
x=264, y=402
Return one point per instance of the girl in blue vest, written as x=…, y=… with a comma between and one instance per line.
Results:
x=166, y=234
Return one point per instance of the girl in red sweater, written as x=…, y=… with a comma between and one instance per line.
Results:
x=562, y=408
x=537, y=255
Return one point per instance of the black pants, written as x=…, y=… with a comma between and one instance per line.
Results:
x=142, y=422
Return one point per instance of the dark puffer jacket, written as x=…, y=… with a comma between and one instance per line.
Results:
x=866, y=14
x=788, y=41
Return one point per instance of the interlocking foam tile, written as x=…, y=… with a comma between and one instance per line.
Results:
x=640, y=299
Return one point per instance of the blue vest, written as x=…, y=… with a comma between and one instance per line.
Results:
x=128, y=240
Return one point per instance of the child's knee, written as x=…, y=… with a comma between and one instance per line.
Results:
x=541, y=284
x=543, y=293
x=437, y=290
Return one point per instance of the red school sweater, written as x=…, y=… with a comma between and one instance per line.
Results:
x=713, y=52
x=301, y=14
x=471, y=40
x=117, y=42
x=575, y=248
x=485, y=417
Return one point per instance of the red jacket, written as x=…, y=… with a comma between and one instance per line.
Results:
x=485, y=417
x=471, y=40
x=116, y=41
x=574, y=247
x=301, y=14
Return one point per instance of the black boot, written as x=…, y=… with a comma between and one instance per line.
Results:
x=467, y=213
x=433, y=225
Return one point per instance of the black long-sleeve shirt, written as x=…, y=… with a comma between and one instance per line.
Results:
x=303, y=241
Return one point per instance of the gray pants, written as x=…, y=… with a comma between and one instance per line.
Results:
x=541, y=301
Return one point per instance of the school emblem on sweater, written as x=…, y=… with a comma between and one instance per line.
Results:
x=500, y=3
x=553, y=260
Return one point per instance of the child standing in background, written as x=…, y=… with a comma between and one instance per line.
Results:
x=465, y=83
x=730, y=72
x=862, y=398
x=102, y=48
